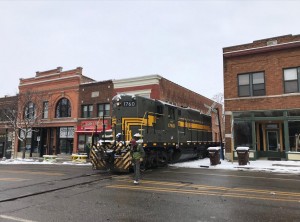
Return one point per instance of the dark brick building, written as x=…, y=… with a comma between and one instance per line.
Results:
x=262, y=94
x=94, y=110
x=7, y=134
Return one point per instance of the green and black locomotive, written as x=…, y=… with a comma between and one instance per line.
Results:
x=168, y=133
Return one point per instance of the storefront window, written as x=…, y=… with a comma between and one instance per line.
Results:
x=83, y=140
x=66, y=135
x=294, y=135
x=243, y=133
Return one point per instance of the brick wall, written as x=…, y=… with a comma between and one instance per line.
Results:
x=95, y=93
x=184, y=97
x=255, y=57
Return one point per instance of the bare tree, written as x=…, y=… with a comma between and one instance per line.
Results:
x=24, y=116
x=219, y=98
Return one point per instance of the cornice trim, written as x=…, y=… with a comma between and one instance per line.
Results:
x=137, y=81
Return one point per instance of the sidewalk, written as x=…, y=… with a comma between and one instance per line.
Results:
x=289, y=167
x=61, y=159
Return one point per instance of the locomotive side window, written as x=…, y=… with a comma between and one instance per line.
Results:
x=179, y=112
x=159, y=110
x=171, y=113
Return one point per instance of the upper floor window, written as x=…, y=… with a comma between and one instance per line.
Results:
x=103, y=109
x=45, y=109
x=29, y=110
x=86, y=111
x=251, y=84
x=291, y=80
x=63, y=108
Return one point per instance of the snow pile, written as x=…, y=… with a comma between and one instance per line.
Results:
x=35, y=161
x=255, y=165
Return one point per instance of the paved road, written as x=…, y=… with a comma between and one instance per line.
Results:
x=47, y=193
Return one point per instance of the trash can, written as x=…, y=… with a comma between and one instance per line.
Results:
x=243, y=155
x=214, y=155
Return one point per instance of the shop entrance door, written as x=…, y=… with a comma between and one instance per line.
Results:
x=272, y=139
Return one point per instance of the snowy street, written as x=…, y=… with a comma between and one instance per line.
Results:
x=47, y=192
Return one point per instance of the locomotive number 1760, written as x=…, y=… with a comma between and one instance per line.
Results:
x=129, y=103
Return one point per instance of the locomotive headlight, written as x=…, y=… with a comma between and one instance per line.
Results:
x=118, y=104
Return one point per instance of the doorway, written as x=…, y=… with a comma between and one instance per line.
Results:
x=272, y=140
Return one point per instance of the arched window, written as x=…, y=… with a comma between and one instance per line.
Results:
x=29, y=111
x=63, y=108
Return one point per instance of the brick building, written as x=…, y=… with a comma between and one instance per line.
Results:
x=7, y=134
x=262, y=94
x=94, y=110
x=71, y=108
x=55, y=100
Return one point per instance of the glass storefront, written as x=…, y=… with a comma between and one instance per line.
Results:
x=294, y=135
x=66, y=135
x=243, y=133
x=268, y=132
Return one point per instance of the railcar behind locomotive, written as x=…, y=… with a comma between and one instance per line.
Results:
x=168, y=133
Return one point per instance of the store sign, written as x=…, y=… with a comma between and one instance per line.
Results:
x=93, y=125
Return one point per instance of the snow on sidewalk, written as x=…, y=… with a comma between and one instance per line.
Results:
x=35, y=161
x=291, y=167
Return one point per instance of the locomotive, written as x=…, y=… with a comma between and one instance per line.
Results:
x=167, y=132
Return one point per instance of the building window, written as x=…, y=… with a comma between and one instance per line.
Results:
x=291, y=80
x=251, y=84
x=243, y=133
x=86, y=111
x=294, y=135
x=45, y=109
x=29, y=111
x=103, y=109
x=63, y=108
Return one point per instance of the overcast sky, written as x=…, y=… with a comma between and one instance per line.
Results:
x=179, y=40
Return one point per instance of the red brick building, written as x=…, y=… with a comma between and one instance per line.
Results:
x=262, y=94
x=55, y=99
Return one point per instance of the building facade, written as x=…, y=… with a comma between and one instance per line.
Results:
x=7, y=134
x=61, y=112
x=261, y=95
x=54, y=101
x=94, y=112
